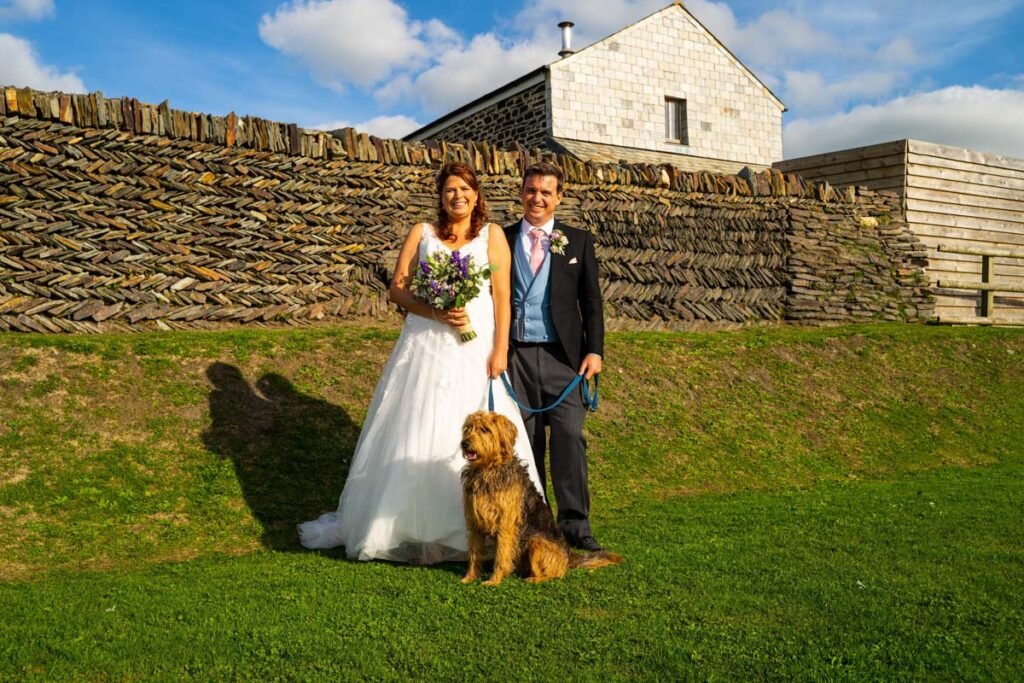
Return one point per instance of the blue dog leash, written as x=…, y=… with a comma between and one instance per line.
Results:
x=589, y=400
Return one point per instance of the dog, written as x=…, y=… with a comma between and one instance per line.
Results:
x=502, y=503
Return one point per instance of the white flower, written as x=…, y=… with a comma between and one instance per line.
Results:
x=558, y=241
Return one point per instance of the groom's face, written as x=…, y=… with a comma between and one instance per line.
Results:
x=540, y=198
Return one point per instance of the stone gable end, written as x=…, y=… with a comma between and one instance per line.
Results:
x=614, y=91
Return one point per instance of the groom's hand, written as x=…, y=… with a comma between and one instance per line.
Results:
x=590, y=366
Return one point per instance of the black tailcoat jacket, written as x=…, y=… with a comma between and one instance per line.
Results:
x=577, y=310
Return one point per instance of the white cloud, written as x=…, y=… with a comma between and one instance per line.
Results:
x=899, y=51
x=858, y=51
x=345, y=42
x=26, y=9
x=775, y=38
x=465, y=70
x=463, y=73
x=20, y=66
x=821, y=58
x=382, y=126
x=973, y=117
x=809, y=91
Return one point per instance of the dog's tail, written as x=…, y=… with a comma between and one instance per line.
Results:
x=602, y=558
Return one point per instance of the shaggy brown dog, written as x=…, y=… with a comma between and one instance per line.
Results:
x=501, y=502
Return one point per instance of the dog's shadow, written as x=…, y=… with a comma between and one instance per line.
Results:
x=291, y=452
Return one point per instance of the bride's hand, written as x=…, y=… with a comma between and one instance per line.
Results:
x=456, y=317
x=497, y=363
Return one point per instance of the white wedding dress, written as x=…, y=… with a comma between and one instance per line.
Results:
x=402, y=500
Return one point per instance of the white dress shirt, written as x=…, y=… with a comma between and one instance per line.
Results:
x=545, y=242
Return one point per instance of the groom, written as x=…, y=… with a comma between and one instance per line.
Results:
x=557, y=333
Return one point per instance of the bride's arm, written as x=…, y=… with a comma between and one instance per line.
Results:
x=501, y=291
x=400, y=293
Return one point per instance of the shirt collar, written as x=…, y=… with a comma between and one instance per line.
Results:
x=525, y=227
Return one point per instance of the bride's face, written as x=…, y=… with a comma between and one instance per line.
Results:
x=458, y=197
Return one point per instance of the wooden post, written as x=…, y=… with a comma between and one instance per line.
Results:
x=988, y=297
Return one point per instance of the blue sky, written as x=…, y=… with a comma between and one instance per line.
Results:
x=945, y=71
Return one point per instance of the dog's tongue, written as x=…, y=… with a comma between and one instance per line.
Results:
x=470, y=456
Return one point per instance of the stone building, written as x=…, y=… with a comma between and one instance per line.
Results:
x=663, y=90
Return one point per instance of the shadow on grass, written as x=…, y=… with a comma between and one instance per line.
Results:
x=291, y=452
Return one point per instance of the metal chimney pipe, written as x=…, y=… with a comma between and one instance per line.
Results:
x=566, y=27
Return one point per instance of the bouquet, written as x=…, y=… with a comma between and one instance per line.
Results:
x=449, y=280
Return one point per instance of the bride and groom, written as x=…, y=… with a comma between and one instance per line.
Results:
x=541, y=319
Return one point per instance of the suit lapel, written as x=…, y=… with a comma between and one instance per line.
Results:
x=558, y=262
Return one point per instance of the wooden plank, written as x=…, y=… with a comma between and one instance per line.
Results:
x=997, y=228
x=955, y=249
x=953, y=257
x=894, y=172
x=960, y=177
x=957, y=300
x=891, y=161
x=965, y=155
x=841, y=156
x=934, y=240
x=940, y=267
x=931, y=240
x=940, y=272
x=980, y=286
x=975, y=320
x=978, y=192
x=961, y=199
x=963, y=188
x=895, y=184
x=965, y=167
x=954, y=300
x=982, y=214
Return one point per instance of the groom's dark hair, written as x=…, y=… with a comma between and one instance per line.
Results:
x=544, y=168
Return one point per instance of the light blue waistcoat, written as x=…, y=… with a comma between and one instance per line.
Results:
x=531, y=299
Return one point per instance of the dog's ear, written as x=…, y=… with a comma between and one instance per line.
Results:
x=506, y=434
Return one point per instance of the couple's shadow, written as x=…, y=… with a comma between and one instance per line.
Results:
x=291, y=452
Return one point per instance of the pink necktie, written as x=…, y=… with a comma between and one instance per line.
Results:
x=537, y=250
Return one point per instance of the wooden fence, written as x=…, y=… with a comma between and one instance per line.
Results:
x=986, y=289
x=959, y=202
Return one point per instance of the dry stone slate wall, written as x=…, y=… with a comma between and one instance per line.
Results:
x=520, y=119
x=185, y=226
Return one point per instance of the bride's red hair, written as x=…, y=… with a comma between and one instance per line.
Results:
x=479, y=216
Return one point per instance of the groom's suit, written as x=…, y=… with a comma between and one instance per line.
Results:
x=541, y=371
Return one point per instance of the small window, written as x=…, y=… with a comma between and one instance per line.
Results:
x=675, y=121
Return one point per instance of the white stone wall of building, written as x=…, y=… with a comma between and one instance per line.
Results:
x=614, y=93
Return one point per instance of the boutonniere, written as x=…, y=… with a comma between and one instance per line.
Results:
x=558, y=241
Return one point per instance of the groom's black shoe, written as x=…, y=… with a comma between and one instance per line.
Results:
x=588, y=543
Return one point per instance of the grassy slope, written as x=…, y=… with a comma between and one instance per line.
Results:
x=859, y=513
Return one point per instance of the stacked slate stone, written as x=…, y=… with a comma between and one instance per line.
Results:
x=519, y=119
x=855, y=262
x=102, y=230
x=121, y=215
x=667, y=261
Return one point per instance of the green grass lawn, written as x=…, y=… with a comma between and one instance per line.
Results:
x=844, y=503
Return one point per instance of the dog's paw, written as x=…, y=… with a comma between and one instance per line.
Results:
x=493, y=581
x=470, y=578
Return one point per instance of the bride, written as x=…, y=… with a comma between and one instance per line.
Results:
x=402, y=500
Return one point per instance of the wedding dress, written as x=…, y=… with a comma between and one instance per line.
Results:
x=402, y=500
